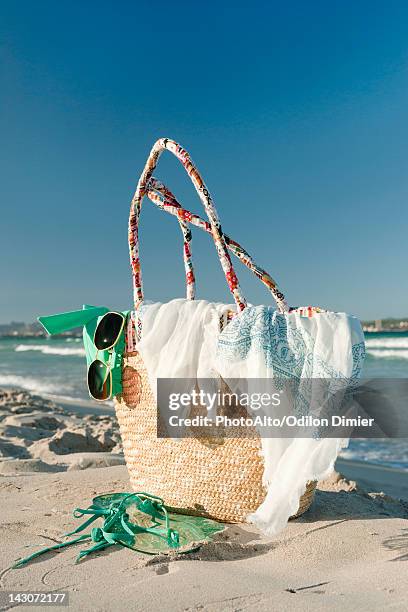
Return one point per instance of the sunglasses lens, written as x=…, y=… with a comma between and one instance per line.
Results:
x=108, y=330
x=99, y=380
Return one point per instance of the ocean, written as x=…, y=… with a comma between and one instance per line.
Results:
x=55, y=368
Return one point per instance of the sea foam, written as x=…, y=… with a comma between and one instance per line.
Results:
x=387, y=343
x=50, y=350
x=27, y=383
x=387, y=353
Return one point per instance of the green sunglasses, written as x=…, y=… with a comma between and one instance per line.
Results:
x=106, y=336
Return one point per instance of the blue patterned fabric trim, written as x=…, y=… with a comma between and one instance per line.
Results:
x=288, y=352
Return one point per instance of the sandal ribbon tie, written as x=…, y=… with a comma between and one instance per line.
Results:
x=117, y=527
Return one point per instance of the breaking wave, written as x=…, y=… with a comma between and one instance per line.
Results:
x=27, y=383
x=50, y=350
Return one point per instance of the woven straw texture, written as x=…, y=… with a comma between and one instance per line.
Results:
x=217, y=478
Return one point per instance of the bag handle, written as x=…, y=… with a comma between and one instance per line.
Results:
x=205, y=197
x=214, y=227
x=160, y=195
x=185, y=230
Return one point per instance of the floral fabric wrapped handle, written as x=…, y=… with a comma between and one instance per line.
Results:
x=160, y=195
x=185, y=230
x=146, y=183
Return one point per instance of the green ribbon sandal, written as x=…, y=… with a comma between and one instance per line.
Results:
x=138, y=521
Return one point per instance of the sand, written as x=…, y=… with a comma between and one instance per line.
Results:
x=350, y=551
x=38, y=435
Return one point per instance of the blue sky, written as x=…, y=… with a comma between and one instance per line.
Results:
x=296, y=114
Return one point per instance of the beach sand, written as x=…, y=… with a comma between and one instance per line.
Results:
x=350, y=551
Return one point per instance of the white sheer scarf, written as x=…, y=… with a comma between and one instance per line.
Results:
x=181, y=339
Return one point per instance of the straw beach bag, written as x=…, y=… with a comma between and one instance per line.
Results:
x=220, y=479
